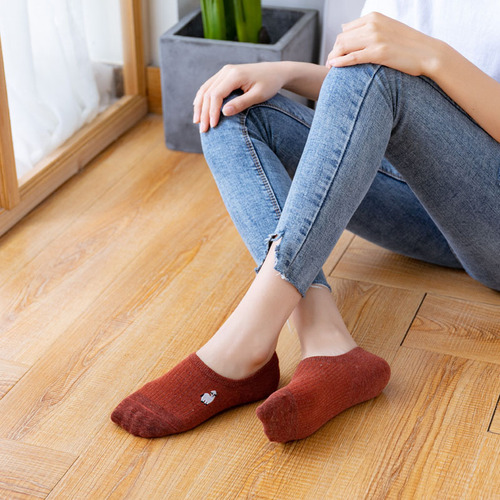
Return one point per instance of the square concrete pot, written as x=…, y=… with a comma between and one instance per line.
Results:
x=187, y=60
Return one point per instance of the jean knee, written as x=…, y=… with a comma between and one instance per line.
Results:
x=349, y=75
x=226, y=127
x=359, y=78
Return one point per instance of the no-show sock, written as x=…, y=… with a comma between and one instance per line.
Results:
x=321, y=388
x=187, y=395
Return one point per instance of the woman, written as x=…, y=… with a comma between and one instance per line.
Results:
x=403, y=149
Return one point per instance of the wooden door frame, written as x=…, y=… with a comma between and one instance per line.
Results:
x=20, y=196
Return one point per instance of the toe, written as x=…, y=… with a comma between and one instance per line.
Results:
x=139, y=420
x=278, y=415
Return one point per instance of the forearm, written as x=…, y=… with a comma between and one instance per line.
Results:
x=472, y=89
x=302, y=78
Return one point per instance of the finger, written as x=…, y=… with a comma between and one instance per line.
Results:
x=197, y=103
x=198, y=100
x=206, y=109
x=205, y=113
x=216, y=95
x=339, y=47
x=208, y=83
x=239, y=104
x=357, y=57
x=214, y=110
x=329, y=57
x=349, y=42
x=332, y=55
x=196, y=110
x=356, y=23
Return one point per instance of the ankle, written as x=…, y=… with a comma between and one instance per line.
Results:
x=326, y=343
x=236, y=359
x=252, y=354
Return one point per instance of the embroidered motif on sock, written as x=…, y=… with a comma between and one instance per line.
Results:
x=208, y=398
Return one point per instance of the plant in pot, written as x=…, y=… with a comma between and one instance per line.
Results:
x=225, y=32
x=238, y=20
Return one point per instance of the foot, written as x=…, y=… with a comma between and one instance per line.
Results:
x=321, y=388
x=189, y=394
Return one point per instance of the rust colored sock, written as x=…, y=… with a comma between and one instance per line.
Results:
x=189, y=394
x=322, y=387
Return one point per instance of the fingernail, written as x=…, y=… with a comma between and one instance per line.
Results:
x=228, y=109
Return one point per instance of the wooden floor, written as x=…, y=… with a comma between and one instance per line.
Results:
x=134, y=263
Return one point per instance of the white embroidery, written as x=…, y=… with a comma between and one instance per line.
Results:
x=208, y=398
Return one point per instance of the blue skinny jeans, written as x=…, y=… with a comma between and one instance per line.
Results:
x=386, y=155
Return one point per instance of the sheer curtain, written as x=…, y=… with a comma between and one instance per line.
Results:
x=50, y=82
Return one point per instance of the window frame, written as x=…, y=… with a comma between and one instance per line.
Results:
x=20, y=196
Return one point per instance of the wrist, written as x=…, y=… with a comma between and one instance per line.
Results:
x=437, y=55
x=286, y=72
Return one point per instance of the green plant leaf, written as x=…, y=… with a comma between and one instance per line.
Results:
x=248, y=18
x=213, y=18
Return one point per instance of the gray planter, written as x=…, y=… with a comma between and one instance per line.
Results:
x=187, y=60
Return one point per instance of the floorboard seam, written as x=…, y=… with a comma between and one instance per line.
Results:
x=413, y=319
x=493, y=416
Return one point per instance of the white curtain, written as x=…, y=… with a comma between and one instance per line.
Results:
x=50, y=82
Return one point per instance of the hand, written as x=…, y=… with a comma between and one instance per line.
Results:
x=379, y=39
x=259, y=82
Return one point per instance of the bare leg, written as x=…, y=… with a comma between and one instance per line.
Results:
x=247, y=340
x=320, y=327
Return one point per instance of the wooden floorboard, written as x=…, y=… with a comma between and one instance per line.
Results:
x=74, y=269
x=429, y=437
x=134, y=263
x=28, y=471
x=457, y=327
x=57, y=212
x=10, y=373
x=368, y=262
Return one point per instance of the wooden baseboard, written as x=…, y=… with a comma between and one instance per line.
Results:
x=153, y=84
x=72, y=156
